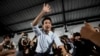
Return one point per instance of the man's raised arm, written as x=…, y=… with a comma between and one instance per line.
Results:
x=45, y=9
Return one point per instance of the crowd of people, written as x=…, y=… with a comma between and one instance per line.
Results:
x=47, y=43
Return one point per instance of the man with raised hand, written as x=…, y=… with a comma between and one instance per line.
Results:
x=46, y=36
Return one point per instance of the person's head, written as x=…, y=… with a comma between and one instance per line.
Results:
x=64, y=38
x=77, y=36
x=25, y=34
x=7, y=37
x=47, y=24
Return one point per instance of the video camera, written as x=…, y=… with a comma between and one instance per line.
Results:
x=25, y=40
x=8, y=45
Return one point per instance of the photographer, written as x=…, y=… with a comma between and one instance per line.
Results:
x=66, y=41
x=23, y=45
x=82, y=47
x=8, y=47
x=33, y=45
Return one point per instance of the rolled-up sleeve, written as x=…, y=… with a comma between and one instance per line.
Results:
x=57, y=40
x=36, y=29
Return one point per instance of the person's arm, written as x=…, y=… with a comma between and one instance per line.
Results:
x=7, y=52
x=60, y=45
x=31, y=43
x=22, y=34
x=88, y=32
x=34, y=24
x=46, y=9
x=64, y=52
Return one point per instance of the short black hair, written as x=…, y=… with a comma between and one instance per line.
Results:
x=64, y=36
x=76, y=34
x=5, y=36
x=46, y=18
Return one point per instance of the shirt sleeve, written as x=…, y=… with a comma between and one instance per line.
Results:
x=57, y=40
x=36, y=29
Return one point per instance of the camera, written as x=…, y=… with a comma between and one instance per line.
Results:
x=8, y=45
x=25, y=41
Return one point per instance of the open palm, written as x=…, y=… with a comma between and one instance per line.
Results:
x=46, y=8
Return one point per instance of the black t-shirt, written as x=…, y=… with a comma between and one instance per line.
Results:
x=84, y=47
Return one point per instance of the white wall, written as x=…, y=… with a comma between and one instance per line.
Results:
x=76, y=28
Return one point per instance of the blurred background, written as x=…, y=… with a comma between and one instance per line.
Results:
x=67, y=15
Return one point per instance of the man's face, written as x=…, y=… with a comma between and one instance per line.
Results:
x=47, y=25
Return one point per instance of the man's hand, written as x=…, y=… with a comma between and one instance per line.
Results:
x=64, y=53
x=46, y=8
x=8, y=53
x=22, y=33
x=87, y=31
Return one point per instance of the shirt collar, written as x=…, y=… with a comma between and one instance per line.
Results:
x=50, y=32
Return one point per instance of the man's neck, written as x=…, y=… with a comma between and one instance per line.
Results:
x=46, y=32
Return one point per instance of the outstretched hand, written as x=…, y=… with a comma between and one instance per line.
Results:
x=22, y=33
x=87, y=31
x=46, y=8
